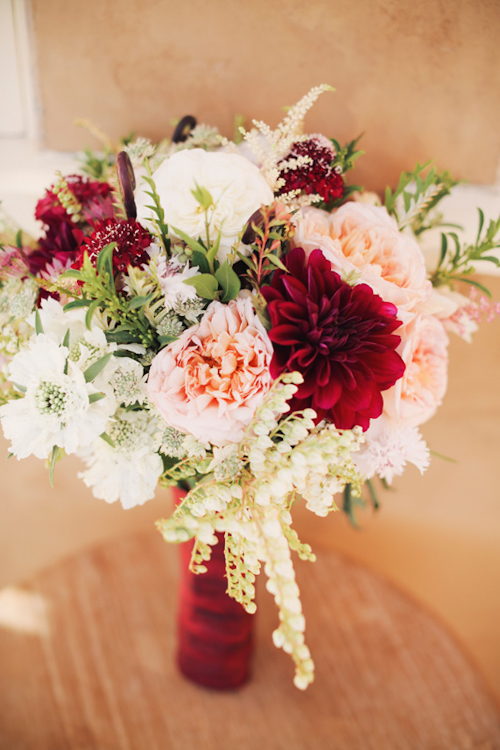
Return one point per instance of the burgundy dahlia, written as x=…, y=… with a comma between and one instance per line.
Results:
x=340, y=338
x=131, y=242
x=317, y=174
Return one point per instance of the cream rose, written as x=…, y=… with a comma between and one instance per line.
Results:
x=235, y=184
x=424, y=349
x=210, y=381
x=364, y=241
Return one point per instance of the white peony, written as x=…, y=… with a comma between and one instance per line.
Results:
x=235, y=184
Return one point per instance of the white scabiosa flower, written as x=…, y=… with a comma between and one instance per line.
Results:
x=126, y=379
x=129, y=469
x=388, y=447
x=55, y=322
x=59, y=408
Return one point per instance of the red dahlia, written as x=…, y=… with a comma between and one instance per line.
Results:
x=131, y=242
x=315, y=174
x=340, y=338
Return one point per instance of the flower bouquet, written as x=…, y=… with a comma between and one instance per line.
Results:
x=233, y=319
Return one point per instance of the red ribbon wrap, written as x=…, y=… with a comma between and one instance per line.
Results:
x=215, y=633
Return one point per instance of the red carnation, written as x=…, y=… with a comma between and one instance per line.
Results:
x=337, y=336
x=316, y=174
x=131, y=242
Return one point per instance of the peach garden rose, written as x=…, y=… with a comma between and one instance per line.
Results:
x=363, y=240
x=211, y=380
x=415, y=398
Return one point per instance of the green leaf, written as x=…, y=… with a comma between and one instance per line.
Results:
x=190, y=242
x=66, y=344
x=165, y=340
x=107, y=439
x=92, y=308
x=77, y=303
x=19, y=239
x=277, y=262
x=373, y=494
x=104, y=258
x=38, y=323
x=491, y=259
x=94, y=370
x=52, y=463
x=481, y=224
x=205, y=284
x=203, y=197
x=96, y=397
x=212, y=253
x=139, y=301
x=229, y=281
x=476, y=284
x=72, y=273
x=122, y=336
x=200, y=260
x=444, y=249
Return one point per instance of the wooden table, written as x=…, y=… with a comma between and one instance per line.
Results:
x=87, y=661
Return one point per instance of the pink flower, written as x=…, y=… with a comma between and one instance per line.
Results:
x=364, y=241
x=424, y=349
x=210, y=381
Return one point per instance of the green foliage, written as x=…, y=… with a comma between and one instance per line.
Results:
x=55, y=456
x=203, y=197
x=272, y=232
x=457, y=260
x=228, y=281
x=97, y=165
x=417, y=193
x=93, y=371
x=97, y=287
x=38, y=323
x=159, y=221
x=347, y=155
x=205, y=284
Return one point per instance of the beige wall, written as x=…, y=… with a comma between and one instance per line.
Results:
x=421, y=79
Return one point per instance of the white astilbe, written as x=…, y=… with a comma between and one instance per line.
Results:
x=271, y=146
x=127, y=470
x=246, y=496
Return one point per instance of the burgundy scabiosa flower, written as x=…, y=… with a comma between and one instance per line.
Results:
x=67, y=210
x=131, y=242
x=340, y=338
x=308, y=168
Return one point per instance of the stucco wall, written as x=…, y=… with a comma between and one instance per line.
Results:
x=420, y=79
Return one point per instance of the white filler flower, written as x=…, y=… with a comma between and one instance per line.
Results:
x=129, y=470
x=58, y=407
x=235, y=184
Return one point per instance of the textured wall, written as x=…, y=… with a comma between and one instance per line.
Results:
x=421, y=79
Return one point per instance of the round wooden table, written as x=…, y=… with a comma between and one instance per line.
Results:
x=87, y=661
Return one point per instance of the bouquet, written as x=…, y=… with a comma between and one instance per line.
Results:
x=234, y=318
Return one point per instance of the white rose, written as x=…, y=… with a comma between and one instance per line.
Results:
x=235, y=184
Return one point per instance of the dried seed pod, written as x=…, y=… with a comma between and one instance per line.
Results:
x=187, y=123
x=126, y=178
